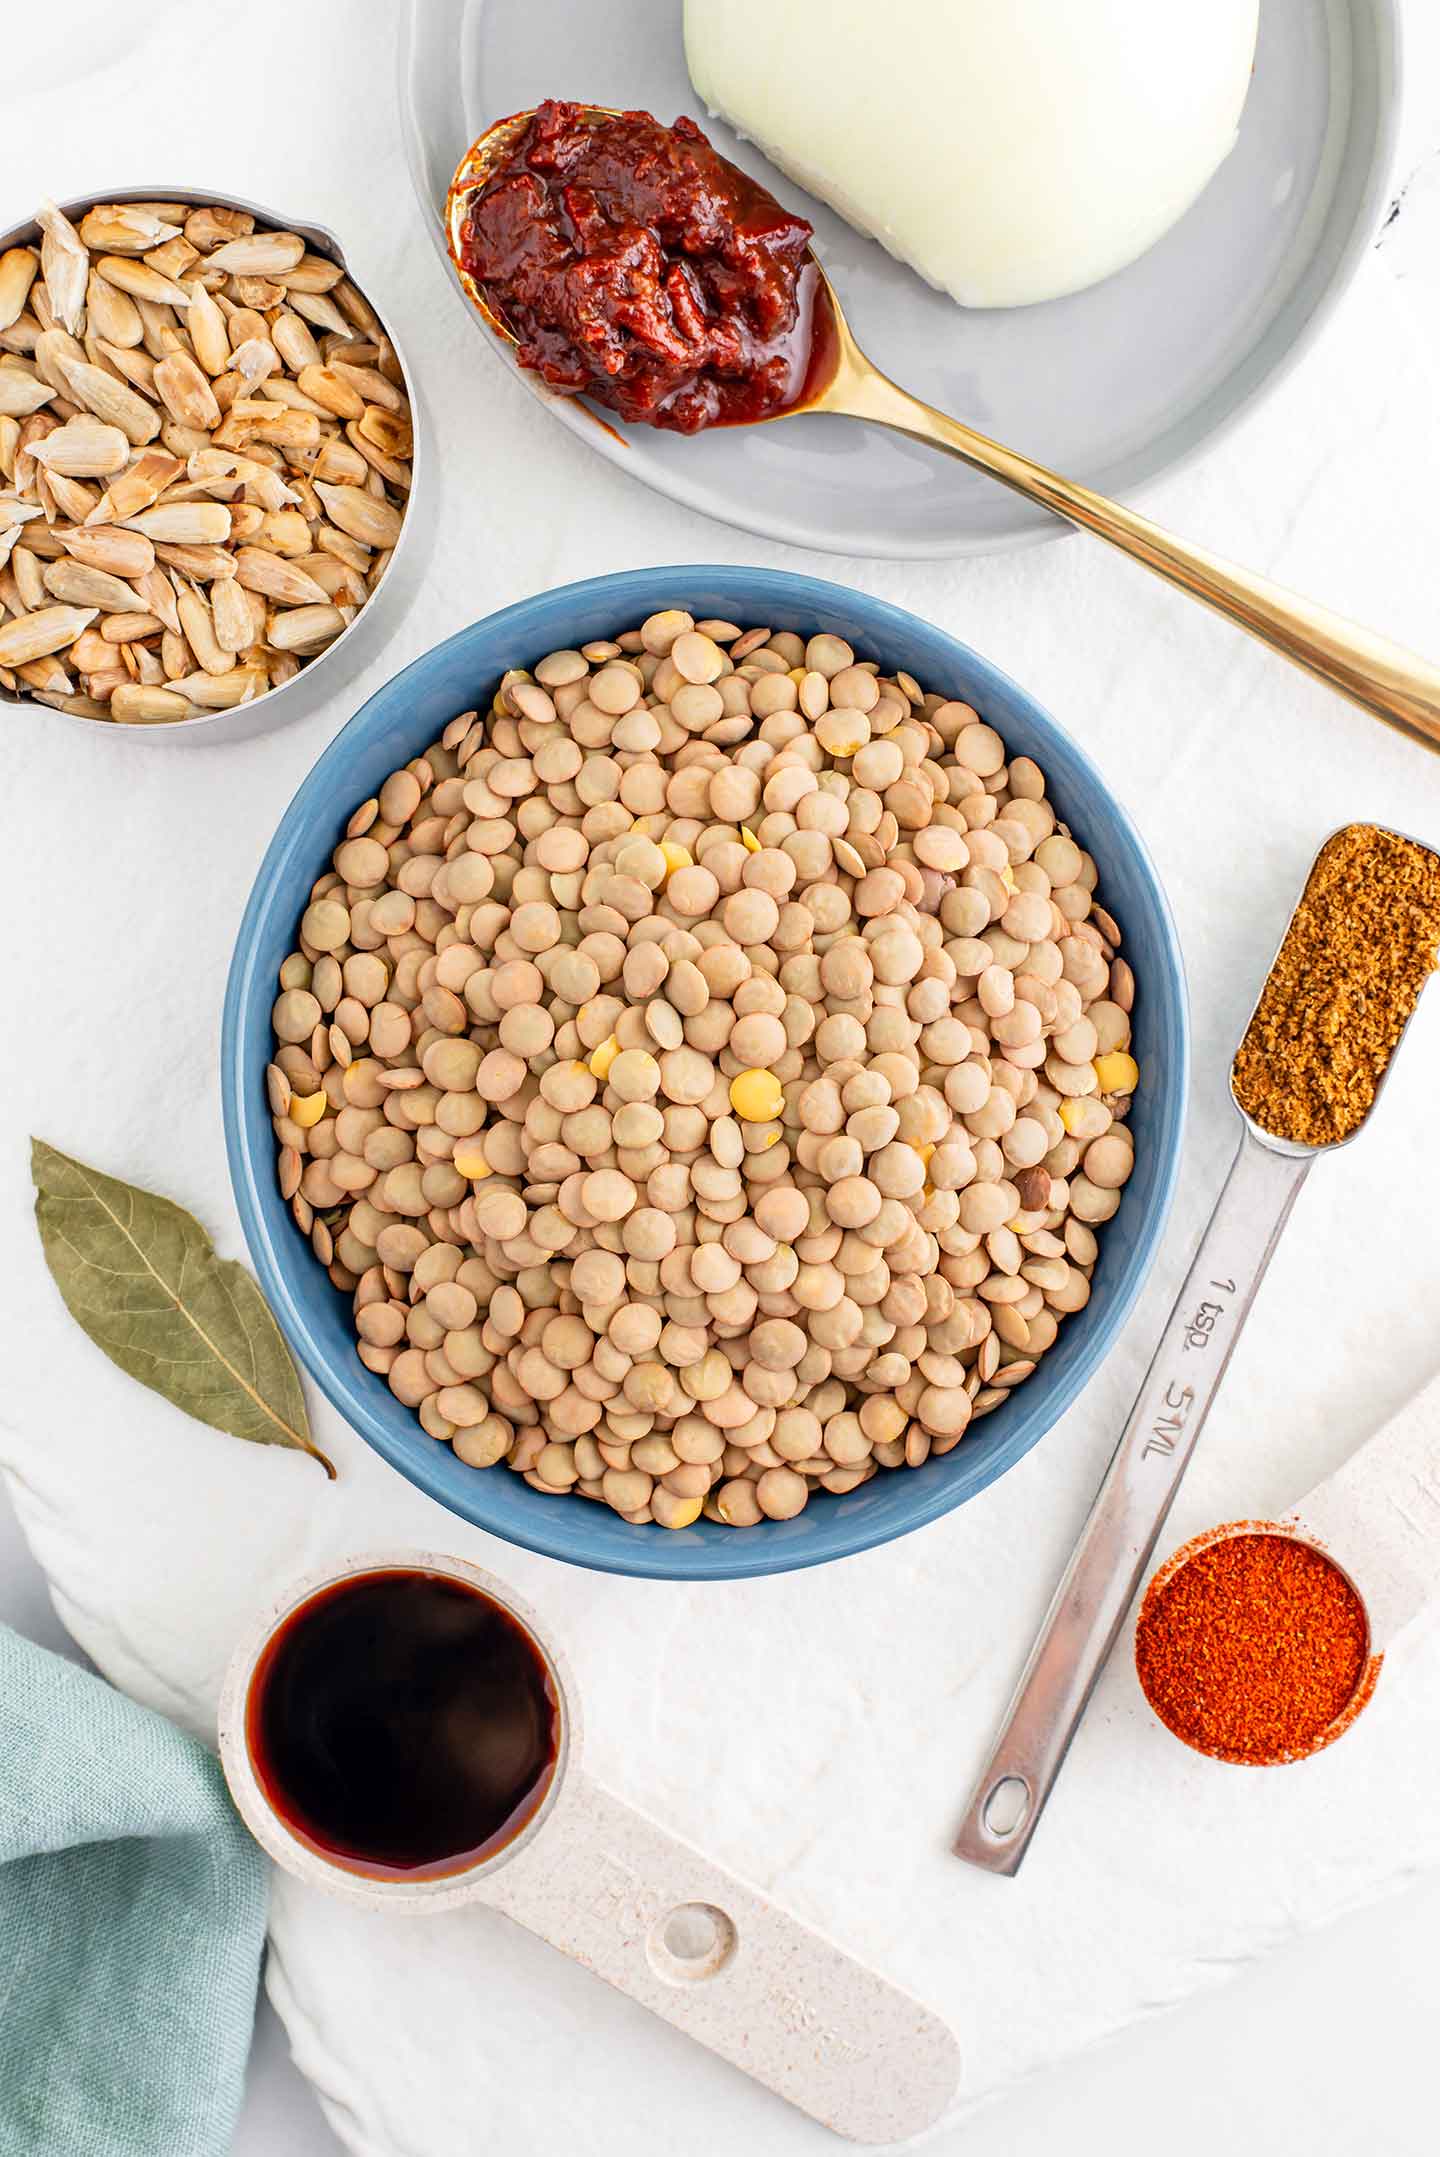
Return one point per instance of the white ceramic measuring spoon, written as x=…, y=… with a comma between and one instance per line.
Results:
x=618, y=1893
x=1105, y=1569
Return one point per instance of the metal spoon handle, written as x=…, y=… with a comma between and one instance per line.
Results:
x=1394, y=684
x=1129, y=1511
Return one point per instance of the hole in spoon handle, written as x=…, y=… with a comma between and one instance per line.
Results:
x=1000, y=1817
x=714, y=1957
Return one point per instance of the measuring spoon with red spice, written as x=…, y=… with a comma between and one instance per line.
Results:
x=1199, y=1337
x=1261, y=1641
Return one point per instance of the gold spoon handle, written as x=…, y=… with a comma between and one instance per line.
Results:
x=1386, y=679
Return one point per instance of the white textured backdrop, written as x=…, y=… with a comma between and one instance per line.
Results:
x=816, y=1732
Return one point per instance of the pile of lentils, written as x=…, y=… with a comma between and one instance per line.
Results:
x=706, y=1071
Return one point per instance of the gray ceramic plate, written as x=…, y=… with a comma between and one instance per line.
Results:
x=1111, y=386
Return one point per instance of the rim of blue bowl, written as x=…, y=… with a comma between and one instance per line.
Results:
x=296, y=1286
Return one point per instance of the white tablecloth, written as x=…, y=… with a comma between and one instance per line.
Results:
x=817, y=1732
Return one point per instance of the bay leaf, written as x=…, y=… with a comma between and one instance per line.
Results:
x=141, y=1277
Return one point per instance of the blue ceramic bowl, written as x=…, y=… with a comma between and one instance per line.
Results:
x=398, y=721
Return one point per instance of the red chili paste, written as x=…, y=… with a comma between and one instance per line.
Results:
x=637, y=266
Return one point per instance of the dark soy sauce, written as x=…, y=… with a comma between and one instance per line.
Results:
x=403, y=1724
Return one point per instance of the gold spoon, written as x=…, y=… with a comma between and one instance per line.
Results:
x=1381, y=676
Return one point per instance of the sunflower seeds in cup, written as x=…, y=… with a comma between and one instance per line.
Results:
x=205, y=443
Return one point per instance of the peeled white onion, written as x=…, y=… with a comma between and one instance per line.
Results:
x=1008, y=150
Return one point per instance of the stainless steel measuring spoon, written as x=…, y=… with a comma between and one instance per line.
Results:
x=616, y=1891
x=1155, y=1446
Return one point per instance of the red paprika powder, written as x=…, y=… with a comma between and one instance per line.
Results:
x=1252, y=1646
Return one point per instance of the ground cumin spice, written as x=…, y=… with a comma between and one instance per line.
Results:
x=1358, y=952
x=1253, y=1647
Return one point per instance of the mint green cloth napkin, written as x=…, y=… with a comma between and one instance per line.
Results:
x=132, y=1917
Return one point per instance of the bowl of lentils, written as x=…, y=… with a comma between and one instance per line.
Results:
x=704, y=1067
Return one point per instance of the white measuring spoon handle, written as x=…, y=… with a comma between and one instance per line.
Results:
x=770, y=1995
x=1379, y=1516
x=1144, y=1474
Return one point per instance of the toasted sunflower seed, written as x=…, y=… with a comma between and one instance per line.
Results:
x=254, y=361
x=175, y=258
x=365, y=517
x=345, y=585
x=389, y=468
x=183, y=523
x=285, y=532
x=110, y=400
x=158, y=323
x=330, y=390
x=231, y=615
x=112, y=315
x=22, y=392
x=74, y=498
x=371, y=386
x=46, y=673
x=139, y=704
x=185, y=392
x=221, y=692
x=21, y=335
x=313, y=273
x=265, y=485
x=80, y=586
x=263, y=572
x=208, y=333
x=51, y=347
x=123, y=228
x=318, y=308
x=258, y=254
x=80, y=707
x=18, y=269
x=137, y=367
x=84, y=448
x=121, y=629
x=389, y=432
x=343, y=548
x=136, y=489
x=158, y=594
x=212, y=227
x=292, y=339
x=201, y=563
x=65, y=266
x=339, y=463
x=91, y=652
x=196, y=622
x=29, y=578
x=357, y=309
x=304, y=629
x=141, y=282
x=285, y=429
x=295, y=399
x=35, y=636
x=124, y=554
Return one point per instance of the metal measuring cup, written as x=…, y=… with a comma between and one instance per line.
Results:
x=1145, y=1470
x=614, y=1890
